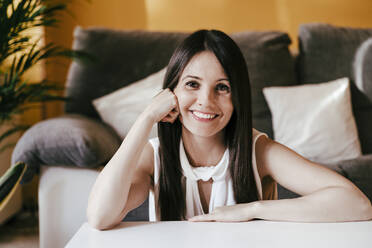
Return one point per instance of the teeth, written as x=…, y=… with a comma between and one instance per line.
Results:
x=204, y=116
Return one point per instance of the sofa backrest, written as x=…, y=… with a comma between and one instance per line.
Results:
x=123, y=57
x=327, y=53
x=120, y=58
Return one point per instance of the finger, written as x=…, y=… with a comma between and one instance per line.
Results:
x=176, y=108
x=165, y=119
x=173, y=114
x=173, y=120
x=168, y=119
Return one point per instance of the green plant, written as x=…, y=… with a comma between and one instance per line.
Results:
x=9, y=181
x=19, y=52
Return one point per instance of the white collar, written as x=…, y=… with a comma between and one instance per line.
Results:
x=217, y=172
x=222, y=192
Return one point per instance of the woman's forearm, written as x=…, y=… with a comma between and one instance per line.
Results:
x=333, y=204
x=110, y=191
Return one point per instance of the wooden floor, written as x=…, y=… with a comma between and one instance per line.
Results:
x=20, y=231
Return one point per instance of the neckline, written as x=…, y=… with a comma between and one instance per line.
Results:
x=182, y=147
x=210, y=198
x=216, y=172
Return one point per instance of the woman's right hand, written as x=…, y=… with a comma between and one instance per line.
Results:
x=164, y=107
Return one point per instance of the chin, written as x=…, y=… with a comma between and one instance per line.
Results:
x=202, y=132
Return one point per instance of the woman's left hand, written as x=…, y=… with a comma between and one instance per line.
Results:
x=235, y=213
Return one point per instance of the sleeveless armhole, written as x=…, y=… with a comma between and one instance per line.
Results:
x=267, y=189
x=153, y=193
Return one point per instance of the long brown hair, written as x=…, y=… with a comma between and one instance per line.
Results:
x=238, y=132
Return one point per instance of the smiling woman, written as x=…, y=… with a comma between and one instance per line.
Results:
x=208, y=163
x=219, y=85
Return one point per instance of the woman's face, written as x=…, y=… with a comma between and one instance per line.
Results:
x=204, y=96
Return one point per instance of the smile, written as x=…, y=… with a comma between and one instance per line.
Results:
x=203, y=116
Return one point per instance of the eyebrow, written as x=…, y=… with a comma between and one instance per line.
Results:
x=199, y=78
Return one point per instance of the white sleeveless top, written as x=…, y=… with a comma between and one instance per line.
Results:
x=222, y=193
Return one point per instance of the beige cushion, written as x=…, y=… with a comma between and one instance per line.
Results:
x=315, y=120
x=121, y=108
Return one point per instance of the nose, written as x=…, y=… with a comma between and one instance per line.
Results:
x=206, y=97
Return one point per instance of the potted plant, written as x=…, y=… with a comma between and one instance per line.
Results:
x=19, y=52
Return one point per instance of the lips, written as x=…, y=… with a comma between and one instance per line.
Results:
x=203, y=116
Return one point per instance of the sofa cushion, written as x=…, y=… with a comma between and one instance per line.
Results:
x=124, y=57
x=358, y=171
x=362, y=68
x=121, y=58
x=68, y=140
x=315, y=120
x=269, y=63
x=327, y=53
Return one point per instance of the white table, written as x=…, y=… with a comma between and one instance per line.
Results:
x=216, y=234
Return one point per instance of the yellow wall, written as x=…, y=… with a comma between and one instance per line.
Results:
x=239, y=15
x=351, y=13
x=227, y=15
x=189, y=15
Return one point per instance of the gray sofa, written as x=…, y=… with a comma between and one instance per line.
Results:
x=70, y=150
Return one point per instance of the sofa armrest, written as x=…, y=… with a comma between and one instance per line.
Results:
x=67, y=140
x=63, y=200
x=63, y=197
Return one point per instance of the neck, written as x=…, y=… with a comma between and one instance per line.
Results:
x=203, y=151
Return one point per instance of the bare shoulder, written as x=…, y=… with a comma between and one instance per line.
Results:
x=262, y=144
x=270, y=153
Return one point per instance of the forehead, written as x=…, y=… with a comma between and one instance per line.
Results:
x=204, y=64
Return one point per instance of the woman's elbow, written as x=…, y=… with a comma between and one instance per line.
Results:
x=366, y=209
x=95, y=220
x=98, y=223
x=99, y=220
x=356, y=205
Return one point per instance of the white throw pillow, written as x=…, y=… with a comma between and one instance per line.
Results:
x=121, y=108
x=315, y=120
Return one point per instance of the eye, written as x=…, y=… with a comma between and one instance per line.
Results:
x=223, y=87
x=192, y=84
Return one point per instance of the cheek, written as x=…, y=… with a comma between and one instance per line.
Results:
x=184, y=100
x=228, y=107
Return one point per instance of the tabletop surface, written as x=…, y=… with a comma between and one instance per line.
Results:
x=256, y=233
